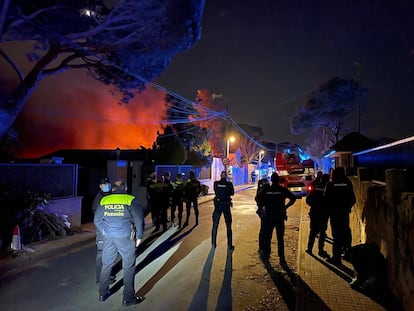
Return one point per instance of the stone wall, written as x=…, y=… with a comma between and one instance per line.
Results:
x=384, y=214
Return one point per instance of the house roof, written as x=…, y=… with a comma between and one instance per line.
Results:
x=353, y=142
x=93, y=156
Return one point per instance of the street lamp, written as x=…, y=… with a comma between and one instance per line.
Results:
x=229, y=140
x=261, y=156
x=226, y=163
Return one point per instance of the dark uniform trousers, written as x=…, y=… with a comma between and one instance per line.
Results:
x=318, y=225
x=177, y=204
x=265, y=238
x=191, y=193
x=194, y=203
x=341, y=197
x=177, y=201
x=341, y=233
x=99, y=250
x=126, y=248
x=222, y=208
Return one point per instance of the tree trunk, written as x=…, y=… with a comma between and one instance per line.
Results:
x=13, y=105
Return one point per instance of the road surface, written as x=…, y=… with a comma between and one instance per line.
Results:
x=176, y=270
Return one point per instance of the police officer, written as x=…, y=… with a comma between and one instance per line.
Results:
x=260, y=185
x=253, y=176
x=177, y=199
x=318, y=215
x=104, y=189
x=272, y=200
x=192, y=190
x=340, y=198
x=119, y=217
x=150, y=181
x=223, y=190
x=168, y=182
x=262, y=181
x=160, y=200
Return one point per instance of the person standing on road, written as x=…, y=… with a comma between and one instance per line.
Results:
x=262, y=181
x=260, y=185
x=340, y=198
x=168, y=182
x=192, y=190
x=119, y=217
x=272, y=200
x=104, y=189
x=253, y=176
x=150, y=181
x=318, y=215
x=177, y=200
x=223, y=190
x=160, y=198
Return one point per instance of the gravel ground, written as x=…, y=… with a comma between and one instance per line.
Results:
x=266, y=285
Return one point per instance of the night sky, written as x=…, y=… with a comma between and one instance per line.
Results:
x=264, y=57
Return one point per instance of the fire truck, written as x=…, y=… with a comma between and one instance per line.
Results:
x=295, y=174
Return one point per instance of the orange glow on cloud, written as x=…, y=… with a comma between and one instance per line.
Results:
x=73, y=111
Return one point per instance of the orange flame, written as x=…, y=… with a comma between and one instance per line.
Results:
x=82, y=114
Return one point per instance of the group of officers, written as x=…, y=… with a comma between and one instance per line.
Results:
x=331, y=200
x=119, y=221
x=119, y=218
x=162, y=193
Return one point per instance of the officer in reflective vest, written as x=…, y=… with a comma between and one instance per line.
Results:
x=119, y=217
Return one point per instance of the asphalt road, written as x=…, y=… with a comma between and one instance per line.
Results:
x=176, y=270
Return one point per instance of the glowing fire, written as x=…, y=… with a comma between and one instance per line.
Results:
x=82, y=114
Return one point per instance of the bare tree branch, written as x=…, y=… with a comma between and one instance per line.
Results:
x=13, y=64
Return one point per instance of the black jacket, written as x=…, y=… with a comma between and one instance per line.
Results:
x=340, y=196
x=192, y=189
x=273, y=198
x=223, y=190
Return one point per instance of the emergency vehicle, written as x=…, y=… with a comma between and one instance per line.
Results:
x=296, y=175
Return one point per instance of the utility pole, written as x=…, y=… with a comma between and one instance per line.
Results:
x=261, y=156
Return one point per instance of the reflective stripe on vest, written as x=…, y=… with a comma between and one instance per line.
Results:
x=117, y=198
